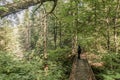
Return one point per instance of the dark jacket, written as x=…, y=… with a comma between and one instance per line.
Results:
x=79, y=51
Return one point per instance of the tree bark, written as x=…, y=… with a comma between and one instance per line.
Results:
x=115, y=20
x=60, y=34
x=20, y=5
x=28, y=31
x=75, y=32
x=108, y=29
x=45, y=38
x=45, y=43
x=108, y=35
x=55, y=33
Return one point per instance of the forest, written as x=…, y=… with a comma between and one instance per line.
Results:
x=39, y=38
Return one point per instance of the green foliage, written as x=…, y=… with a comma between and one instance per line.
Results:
x=16, y=70
x=3, y=8
x=87, y=18
x=111, y=69
x=59, y=52
x=113, y=59
x=5, y=38
x=32, y=69
x=62, y=63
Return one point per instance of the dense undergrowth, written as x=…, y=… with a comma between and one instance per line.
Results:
x=111, y=68
x=32, y=66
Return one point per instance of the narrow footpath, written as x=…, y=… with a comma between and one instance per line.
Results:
x=81, y=70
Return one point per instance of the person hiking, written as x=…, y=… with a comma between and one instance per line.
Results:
x=79, y=51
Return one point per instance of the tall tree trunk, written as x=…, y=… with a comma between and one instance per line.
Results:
x=115, y=28
x=45, y=42
x=108, y=29
x=108, y=35
x=74, y=43
x=95, y=13
x=55, y=33
x=28, y=36
x=28, y=31
x=75, y=25
x=45, y=36
x=107, y=24
x=60, y=34
x=115, y=37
